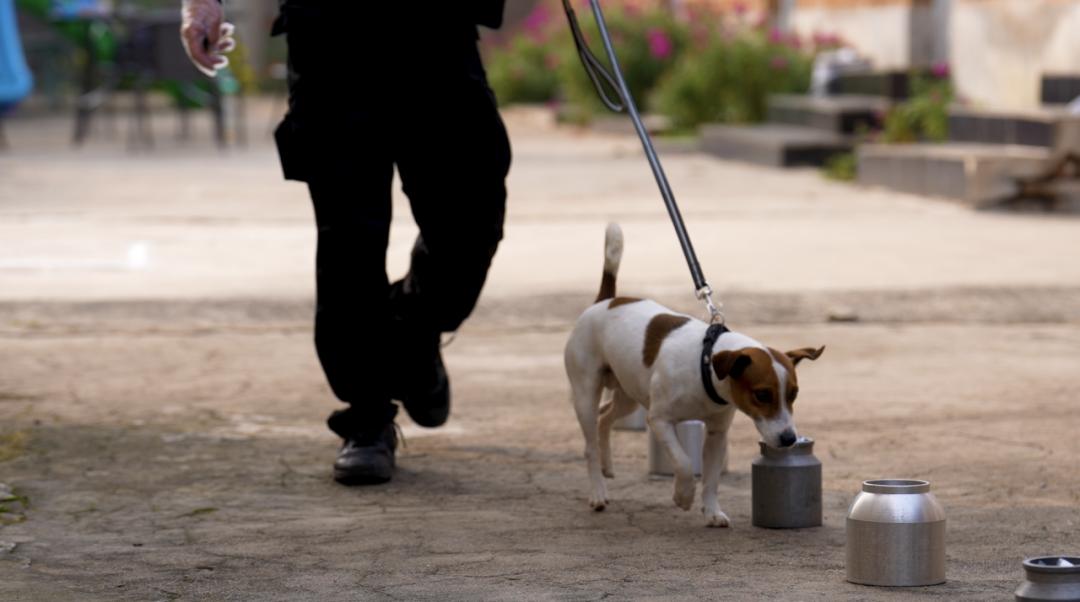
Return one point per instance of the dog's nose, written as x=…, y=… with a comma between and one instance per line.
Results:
x=787, y=438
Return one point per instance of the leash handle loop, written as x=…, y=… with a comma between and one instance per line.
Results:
x=594, y=68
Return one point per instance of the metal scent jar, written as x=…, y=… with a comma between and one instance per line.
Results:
x=786, y=487
x=1048, y=578
x=896, y=535
x=691, y=435
x=634, y=421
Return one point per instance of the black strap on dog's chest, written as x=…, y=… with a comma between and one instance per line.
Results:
x=711, y=335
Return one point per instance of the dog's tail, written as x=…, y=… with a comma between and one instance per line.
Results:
x=613, y=245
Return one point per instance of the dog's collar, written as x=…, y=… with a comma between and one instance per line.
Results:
x=711, y=335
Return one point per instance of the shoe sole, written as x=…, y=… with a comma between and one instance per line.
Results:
x=354, y=478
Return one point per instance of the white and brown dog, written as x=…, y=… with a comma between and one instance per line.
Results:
x=651, y=356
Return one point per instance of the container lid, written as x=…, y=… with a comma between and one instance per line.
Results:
x=804, y=446
x=1053, y=565
x=896, y=486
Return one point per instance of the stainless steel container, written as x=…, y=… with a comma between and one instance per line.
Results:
x=896, y=535
x=1048, y=578
x=691, y=436
x=632, y=422
x=786, y=485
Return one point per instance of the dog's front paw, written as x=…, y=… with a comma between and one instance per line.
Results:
x=684, y=494
x=716, y=518
x=598, y=504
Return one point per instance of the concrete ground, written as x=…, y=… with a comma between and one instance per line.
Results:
x=161, y=407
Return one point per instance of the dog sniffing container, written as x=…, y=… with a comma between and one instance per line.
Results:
x=691, y=435
x=1050, y=578
x=786, y=486
x=896, y=535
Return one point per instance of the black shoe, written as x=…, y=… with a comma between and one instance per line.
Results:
x=419, y=379
x=424, y=389
x=367, y=458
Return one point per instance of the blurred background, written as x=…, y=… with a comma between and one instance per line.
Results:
x=826, y=76
x=895, y=179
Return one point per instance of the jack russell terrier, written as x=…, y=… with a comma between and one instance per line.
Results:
x=679, y=368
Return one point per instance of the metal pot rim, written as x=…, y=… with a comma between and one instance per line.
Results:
x=896, y=486
x=1036, y=564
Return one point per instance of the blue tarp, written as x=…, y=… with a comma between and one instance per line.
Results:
x=15, y=78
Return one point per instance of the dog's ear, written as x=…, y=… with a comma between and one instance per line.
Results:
x=806, y=353
x=730, y=363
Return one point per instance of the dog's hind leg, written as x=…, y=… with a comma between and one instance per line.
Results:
x=620, y=405
x=587, y=387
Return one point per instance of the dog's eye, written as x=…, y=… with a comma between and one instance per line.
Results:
x=763, y=396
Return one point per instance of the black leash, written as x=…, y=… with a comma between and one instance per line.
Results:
x=600, y=77
x=711, y=335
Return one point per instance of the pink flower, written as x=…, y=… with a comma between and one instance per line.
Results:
x=778, y=63
x=537, y=19
x=660, y=45
x=791, y=40
x=940, y=70
x=740, y=8
x=826, y=39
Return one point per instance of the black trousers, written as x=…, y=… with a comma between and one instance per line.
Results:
x=429, y=113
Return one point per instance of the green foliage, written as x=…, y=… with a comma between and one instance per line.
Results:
x=526, y=70
x=924, y=116
x=13, y=506
x=842, y=167
x=705, y=67
x=730, y=78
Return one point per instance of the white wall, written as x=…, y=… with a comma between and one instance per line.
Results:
x=882, y=33
x=1001, y=48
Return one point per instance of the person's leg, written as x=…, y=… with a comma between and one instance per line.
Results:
x=335, y=137
x=455, y=181
x=453, y=165
x=351, y=308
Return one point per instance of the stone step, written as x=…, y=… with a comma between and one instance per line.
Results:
x=1037, y=127
x=848, y=114
x=894, y=85
x=775, y=145
x=974, y=174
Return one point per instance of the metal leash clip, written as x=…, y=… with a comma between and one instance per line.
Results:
x=716, y=310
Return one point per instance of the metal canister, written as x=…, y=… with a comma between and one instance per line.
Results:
x=786, y=485
x=1048, y=578
x=896, y=535
x=691, y=435
x=634, y=421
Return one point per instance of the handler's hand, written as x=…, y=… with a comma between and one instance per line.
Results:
x=205, y=35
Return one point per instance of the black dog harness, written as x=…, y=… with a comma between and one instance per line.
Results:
x=711, y=335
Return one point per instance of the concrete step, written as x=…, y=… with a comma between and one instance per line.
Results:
x=775, y=145
x=1036, y=127
x=974, y=174
x=848, y=114
x=894, y=85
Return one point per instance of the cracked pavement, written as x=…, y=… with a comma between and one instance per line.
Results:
x=172, y=413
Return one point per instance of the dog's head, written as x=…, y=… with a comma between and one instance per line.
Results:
x=764, y=386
